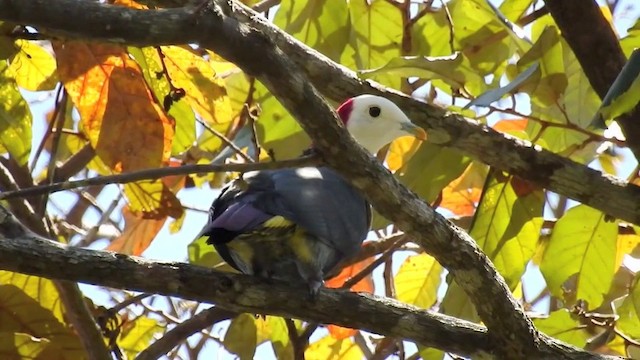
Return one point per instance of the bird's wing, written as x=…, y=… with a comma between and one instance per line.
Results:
x=316, y=199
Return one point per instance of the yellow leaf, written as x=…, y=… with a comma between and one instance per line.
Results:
x=418, y=280
x=329, y=348
x=31, y=305
x=21, y=346
x=33, y=67
x=120, y=116
x=201, y=82
x=625, y=245
x=400, y=151
x=137, y=334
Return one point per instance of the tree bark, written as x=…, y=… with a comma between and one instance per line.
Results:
x=24, y=252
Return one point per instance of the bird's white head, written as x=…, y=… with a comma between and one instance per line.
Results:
x=374, y=121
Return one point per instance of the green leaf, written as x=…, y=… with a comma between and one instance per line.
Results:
x=430, y=353
x=376, y=35
x=514, y=9
x=453, y=70
x=623, y=95
x=507, y=225
x=276, y=129
x=428, y=171
x=138, y=334
x=279, y=336
x=203, y=254
x=418, y=280
x=575, y=106
x=549, y=81
x=19, y=346
x=330, y=348
x=562, y=326
x=629, y=312
x=632, y=41
x=241, y=337
x=321, y=24
x=456, y=303
x=15, y=119
x=583, y=243
x=477, y=32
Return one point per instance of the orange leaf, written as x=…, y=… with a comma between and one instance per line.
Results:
x=138, y=233
x=364, y=285
x=119, y=114
x=339, y=332
x=508, y=126
x=462, y=194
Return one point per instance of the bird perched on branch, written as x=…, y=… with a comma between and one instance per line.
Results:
x=296, y=225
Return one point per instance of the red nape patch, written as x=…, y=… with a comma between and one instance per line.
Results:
x=344, y=110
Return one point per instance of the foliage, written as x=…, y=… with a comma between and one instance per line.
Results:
x=142, y=108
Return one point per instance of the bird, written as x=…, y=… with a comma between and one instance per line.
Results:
x=297, y=224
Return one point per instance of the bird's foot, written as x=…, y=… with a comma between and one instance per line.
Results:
x=314, y=288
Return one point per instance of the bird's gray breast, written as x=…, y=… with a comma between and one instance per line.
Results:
x=323, y=203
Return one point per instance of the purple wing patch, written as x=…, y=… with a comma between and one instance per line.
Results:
x=239, y=217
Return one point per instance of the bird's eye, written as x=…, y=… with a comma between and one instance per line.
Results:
x=374, y=111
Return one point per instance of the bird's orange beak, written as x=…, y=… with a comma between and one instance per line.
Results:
x=414, y=130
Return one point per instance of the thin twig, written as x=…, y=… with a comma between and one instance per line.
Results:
x=225, y=140
x=265, y=5
x=299, y=344
x=377, y=262
x=152, y=174
x=49, y=128
x=58, y=120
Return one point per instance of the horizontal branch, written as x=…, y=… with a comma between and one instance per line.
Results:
x=30, y=254
x=152, y=174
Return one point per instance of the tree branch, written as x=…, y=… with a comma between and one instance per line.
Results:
x=151, y=174
x=182, y=331
x=611, y=195
x=28, y=253
x=598, y=51
x=510, y=331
